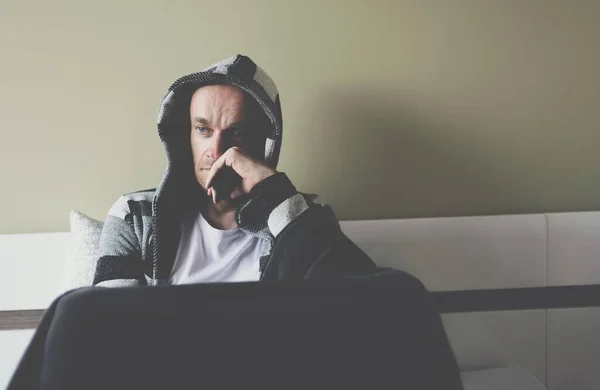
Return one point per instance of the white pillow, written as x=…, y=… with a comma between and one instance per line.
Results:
x=82, y=253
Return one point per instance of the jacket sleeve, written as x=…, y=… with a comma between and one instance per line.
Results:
x=308, y=241
x=120, y=260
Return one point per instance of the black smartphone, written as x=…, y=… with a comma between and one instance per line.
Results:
x=224, y=182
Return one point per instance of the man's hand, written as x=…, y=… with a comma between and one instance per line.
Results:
x=251, y=171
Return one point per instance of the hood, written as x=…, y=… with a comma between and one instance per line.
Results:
x=239, y=71
x=178, y=184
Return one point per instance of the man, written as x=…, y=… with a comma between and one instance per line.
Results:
x=193, y=228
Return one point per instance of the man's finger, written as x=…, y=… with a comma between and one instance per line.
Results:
x=232, y=158
x=214, y=169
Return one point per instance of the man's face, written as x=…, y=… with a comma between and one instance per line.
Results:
x=219, y=120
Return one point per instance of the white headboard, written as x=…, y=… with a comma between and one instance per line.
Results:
x=31, y=266
x=559, y=346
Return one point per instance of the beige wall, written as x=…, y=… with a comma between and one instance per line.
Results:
x=391, y=108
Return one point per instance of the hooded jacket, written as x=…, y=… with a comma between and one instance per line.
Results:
x=301, y=237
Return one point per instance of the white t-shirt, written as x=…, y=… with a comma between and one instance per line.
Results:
x=207, y=254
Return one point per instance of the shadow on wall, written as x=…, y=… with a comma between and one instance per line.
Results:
x=389, y=159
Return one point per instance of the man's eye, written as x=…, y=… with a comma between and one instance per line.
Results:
x=202, y=130
x=240, y=134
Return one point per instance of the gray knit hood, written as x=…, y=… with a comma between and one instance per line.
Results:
x=178, y=184
x=239, y=71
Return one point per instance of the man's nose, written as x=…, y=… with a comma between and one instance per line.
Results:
x=219, y=146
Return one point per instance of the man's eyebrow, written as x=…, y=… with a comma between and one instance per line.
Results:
x=237, y=125
x=233, y=126
x=201, y=121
